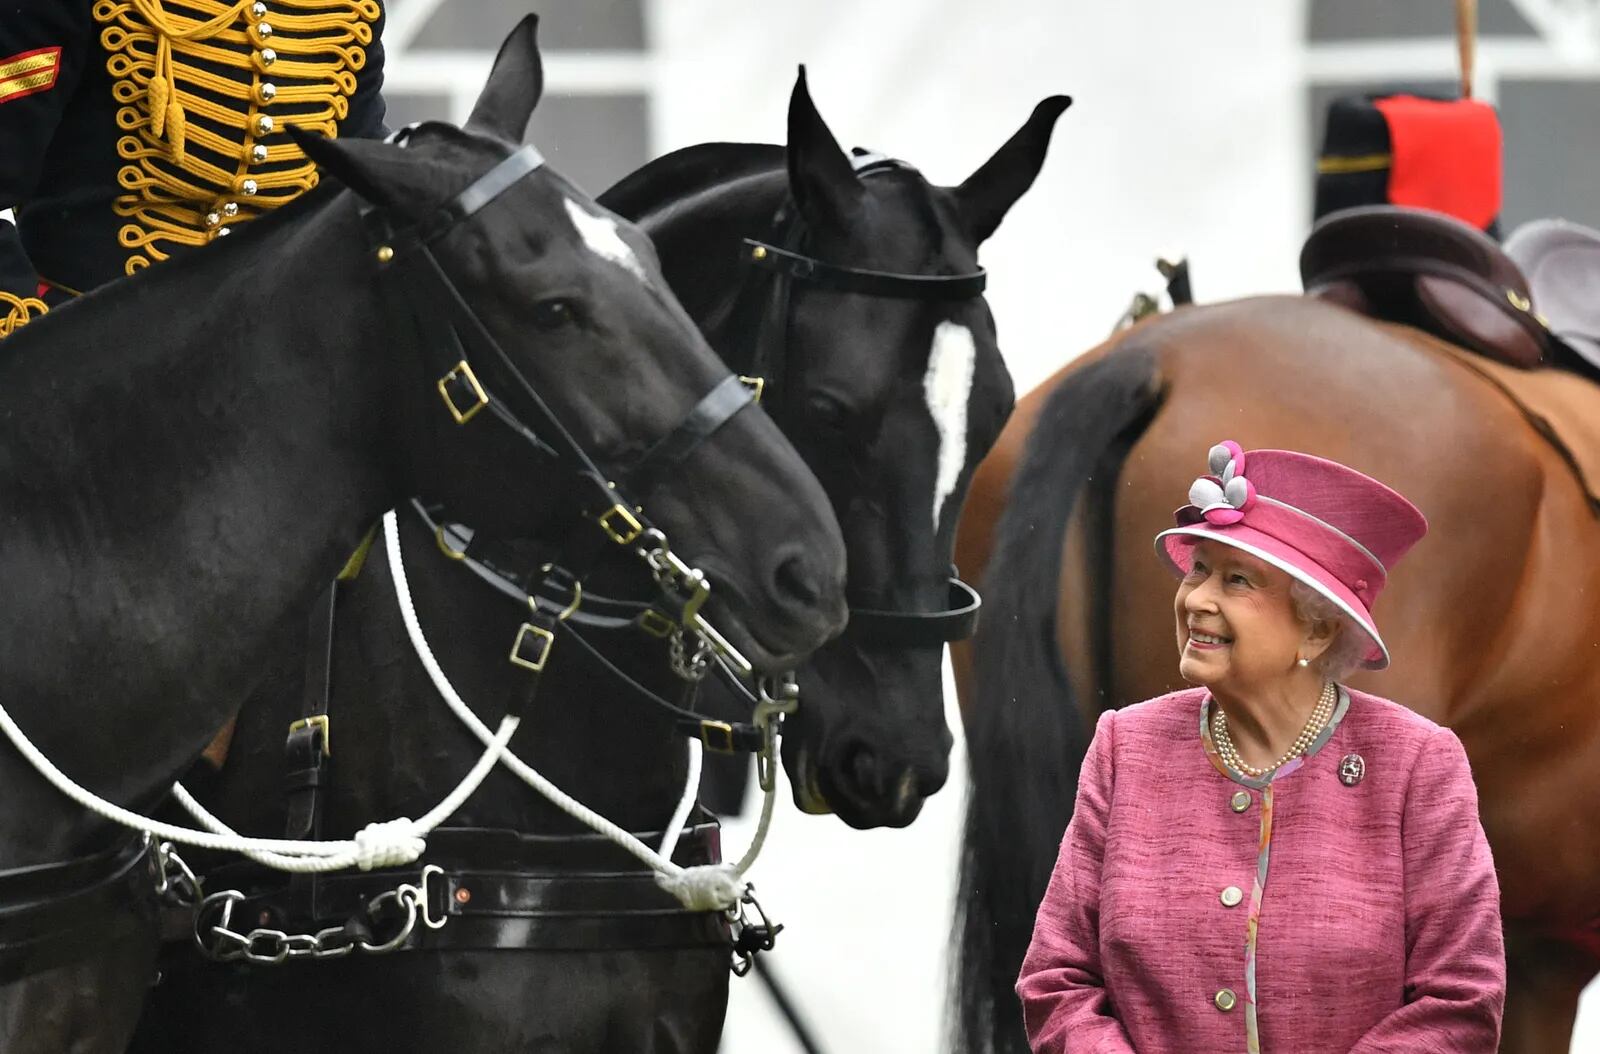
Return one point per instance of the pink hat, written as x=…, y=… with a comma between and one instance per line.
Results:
x=1326, y=525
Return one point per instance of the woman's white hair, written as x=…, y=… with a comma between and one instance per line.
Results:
x=1344, y=656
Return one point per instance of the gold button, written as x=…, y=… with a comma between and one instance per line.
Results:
x=1231, y=896
x=1225, y=1000
x=1241, y=801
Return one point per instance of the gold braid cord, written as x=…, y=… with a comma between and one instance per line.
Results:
x=206, y=88
x=19, y=311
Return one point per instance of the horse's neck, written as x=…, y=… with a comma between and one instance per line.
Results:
x=698, y=238
x=183, y=459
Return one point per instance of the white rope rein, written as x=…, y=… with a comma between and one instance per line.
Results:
x=387, y=844
x=704, y=887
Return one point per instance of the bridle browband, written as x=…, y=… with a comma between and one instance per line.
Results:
x=788, y=264
x=799, y=267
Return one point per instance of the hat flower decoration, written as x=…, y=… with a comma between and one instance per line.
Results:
x=1224, y=496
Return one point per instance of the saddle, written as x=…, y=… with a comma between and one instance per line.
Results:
x=1562, y=262
x=1431, y=271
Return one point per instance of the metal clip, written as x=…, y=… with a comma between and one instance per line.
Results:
x=176, y=883
x=428, y=872
x=750, y=938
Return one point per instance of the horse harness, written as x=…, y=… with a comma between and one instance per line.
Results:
x=42, y=927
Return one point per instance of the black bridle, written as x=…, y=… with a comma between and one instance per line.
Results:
x=52, y=914
x=454, y=338
x=530, y=895
x=788, y=264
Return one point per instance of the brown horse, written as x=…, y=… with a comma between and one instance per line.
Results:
x=1493, y=620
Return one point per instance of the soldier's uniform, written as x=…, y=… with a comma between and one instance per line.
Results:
x=132, y=130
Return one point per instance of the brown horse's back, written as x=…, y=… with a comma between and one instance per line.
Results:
x=1493, y=620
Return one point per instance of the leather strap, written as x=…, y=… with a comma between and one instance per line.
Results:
x=503, y=890
x=841, y=279
x=672, y=450
x=958, y=621
x=55, y=914
x=464, y=544
x=499, y=179
x=309, y=744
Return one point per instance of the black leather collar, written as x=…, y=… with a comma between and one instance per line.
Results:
x=54, y=914
x=504, y=890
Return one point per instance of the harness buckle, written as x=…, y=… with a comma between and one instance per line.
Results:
x=655, y=623
x=316, y=721
x=722, y=742
x=757, y=386
x=462, y=382
x=631, y=527
x=531, y=649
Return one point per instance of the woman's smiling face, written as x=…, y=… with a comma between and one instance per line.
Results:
x=1236, y=621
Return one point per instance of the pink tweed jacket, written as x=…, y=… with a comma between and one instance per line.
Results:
x=1195, y=910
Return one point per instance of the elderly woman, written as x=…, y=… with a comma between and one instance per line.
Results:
x=1270, y=861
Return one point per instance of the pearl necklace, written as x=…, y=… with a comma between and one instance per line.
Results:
x=1314, y=724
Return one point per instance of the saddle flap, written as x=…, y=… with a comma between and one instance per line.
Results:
x=1472, y=319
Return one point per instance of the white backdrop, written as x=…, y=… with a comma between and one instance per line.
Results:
x=1188, y=134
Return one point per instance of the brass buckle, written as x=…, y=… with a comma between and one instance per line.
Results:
x=656, y=624
x=632, y=528
x=316, y=721
x=462, y=371
x=757, y=386
x=546, y=641
x=724, y=729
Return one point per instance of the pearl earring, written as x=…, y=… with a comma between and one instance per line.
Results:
x=1304, y=662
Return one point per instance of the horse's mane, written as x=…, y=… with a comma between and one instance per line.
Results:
x=687, y=171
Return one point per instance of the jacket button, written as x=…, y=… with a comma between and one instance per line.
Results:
x=1225, y=1000
x=1241, y=801
x=1231, y=897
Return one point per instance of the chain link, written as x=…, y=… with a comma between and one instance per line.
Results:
x=219, y=941
x=691, y=667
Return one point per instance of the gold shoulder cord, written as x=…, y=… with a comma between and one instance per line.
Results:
x=206, y=88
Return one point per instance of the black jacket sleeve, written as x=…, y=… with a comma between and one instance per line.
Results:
x=45, y=45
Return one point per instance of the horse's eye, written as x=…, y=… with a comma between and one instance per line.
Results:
x=827, y=412
x=554, y=313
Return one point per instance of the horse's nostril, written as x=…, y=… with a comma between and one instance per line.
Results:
x=863, y=769
x=796, y=580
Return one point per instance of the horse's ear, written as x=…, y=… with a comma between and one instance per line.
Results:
x=820, y=175
x=514, y=86
x=989, y=193
x=378, y=171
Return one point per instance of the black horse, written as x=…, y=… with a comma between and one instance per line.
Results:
x=853, y=290
x=188, y=456
x=613, y=986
